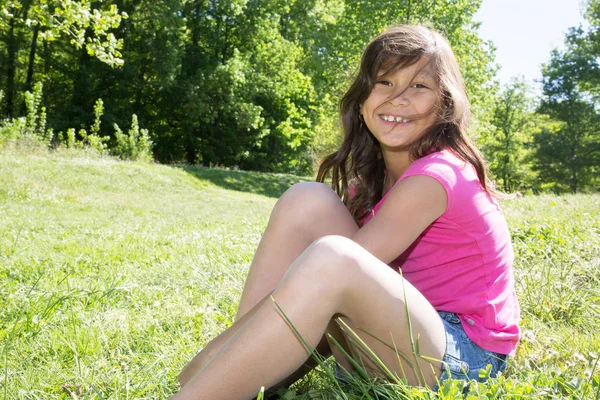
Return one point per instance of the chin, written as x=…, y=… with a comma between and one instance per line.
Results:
x=395, y=147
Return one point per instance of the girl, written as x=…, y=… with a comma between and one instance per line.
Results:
x=410, y=234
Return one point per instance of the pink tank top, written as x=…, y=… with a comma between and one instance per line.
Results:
x=462, y=262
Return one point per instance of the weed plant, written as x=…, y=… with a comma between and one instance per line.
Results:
x=114, y=274
x=30, y=132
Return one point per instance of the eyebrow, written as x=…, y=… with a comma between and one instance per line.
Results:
x=423, y=73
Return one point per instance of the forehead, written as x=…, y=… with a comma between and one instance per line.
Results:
x=420, y=69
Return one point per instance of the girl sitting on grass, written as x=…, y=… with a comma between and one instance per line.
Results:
x=409, y=250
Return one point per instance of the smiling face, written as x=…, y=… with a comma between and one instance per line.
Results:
x=402, y=105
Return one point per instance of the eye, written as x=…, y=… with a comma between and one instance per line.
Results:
x=420, y=86
x=384, y=82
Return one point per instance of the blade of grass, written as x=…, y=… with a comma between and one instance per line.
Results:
x=420, y=379
x=398, y=355
x=358, y=340
x=261, y=394
x=361, y=371
x=306, y=345
x=405, y=358
x=592, y=378
x=318, y=358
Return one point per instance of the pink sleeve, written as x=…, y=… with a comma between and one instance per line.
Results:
x=440, y=170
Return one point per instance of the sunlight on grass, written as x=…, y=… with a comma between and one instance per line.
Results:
x=114, y=274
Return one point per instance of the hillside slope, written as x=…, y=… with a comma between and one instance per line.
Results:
x=113, y=274
x=107, y=268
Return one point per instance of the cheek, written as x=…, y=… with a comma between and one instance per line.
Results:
x=370, y=103
x=365, y=106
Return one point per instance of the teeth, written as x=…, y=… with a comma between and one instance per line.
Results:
x=391, y=118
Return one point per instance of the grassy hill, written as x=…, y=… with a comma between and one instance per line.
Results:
x=113, y=274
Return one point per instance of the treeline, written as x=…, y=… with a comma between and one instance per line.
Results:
x=552, y=142
x=247, y=83
x=254, y=84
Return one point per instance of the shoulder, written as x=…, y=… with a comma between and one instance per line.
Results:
x=443, y=166
x=448, y=169
x=444, y=163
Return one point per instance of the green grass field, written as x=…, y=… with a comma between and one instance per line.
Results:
x=114, y=274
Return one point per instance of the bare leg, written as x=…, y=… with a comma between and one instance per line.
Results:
x=334, y=276
x=203, y=357
x=306, y=212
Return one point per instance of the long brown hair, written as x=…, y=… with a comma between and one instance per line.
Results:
x=358, y=162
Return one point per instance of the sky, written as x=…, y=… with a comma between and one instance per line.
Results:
x=525, y=31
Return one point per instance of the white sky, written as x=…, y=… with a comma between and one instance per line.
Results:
x=525, y=31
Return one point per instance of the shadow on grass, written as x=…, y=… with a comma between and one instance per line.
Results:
x=271, y=185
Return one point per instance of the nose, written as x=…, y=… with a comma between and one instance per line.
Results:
x=399, y=99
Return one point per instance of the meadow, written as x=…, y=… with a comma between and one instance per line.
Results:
x=113, y=274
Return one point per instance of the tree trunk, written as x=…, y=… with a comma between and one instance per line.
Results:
x=11, y=48
x=32, y=50
x=47, y=58
x=82, y=102
x=138, y=108
x=574, y=171
x=80, y=97
x=226, y=41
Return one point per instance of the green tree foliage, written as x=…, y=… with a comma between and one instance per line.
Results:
x=584, y=45
x=567, y=155
x=85, y=25
x=247, y=103
x=507, y=148
x=247, y=83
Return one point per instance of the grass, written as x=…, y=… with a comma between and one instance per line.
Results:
x=113, y=274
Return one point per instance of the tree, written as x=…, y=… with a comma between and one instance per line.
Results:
x=507, y=149
x=568, y=156
x=247, y=83
x=240, y=98
x=567, y=153
x=85, y=27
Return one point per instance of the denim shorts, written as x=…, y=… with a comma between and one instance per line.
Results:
x=464, y=359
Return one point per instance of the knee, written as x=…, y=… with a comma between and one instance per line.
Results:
x=307, y=199
x=330, y=258
x=334, y=246
x=326, y=269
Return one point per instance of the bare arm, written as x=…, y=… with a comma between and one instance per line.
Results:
x=410, y=207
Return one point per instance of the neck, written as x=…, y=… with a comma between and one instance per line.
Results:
x=396, y=163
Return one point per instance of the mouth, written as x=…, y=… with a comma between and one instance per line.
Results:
x=394, y=119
